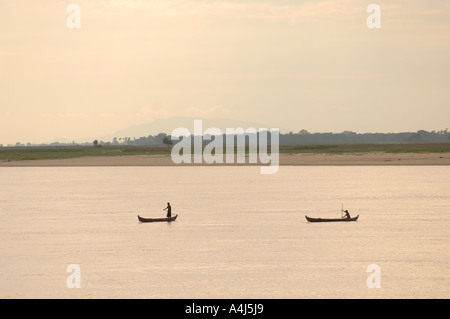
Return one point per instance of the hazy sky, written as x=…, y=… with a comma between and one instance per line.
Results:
x=311, y=65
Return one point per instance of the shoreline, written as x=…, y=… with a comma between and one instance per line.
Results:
x=308, y=159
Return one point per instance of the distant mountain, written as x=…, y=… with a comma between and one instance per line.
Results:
x=169, y=124
x=141, y=132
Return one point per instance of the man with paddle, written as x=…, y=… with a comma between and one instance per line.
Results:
x=347, y=214
x=169, y=210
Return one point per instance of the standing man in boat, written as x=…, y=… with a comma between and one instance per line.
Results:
x=169, y=210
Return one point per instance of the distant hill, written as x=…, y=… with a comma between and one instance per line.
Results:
x=154, y=132
x=169, y=124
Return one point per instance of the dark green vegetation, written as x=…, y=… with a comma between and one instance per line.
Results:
x=58, y=152
x=366, y=148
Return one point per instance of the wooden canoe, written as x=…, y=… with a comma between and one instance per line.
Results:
x=319, y=220
x=151, y=220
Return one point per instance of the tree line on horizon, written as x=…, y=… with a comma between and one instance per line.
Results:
x=305, y=137
x=302, y=137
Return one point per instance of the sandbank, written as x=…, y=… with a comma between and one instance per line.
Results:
x=354, y=159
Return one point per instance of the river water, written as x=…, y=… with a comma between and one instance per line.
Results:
x=239, y=234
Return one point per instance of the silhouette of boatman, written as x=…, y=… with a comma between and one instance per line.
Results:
x=347, y=214
x=169, y=210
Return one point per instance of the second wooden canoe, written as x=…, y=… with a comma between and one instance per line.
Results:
x=151, y=220
x=318, y=220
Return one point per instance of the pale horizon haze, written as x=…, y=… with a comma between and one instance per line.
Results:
x=311, y=65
